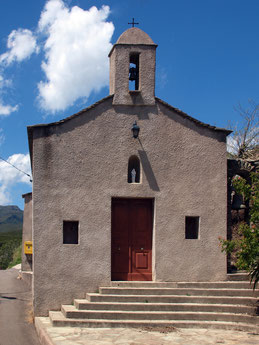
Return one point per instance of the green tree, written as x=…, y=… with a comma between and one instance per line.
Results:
x=248, y=245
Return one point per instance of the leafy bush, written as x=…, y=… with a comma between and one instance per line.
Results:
x=248, y=246
x=7, y=251
x=17, y=257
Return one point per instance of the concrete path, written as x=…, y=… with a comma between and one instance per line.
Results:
x=16, y=327
x=122, y=336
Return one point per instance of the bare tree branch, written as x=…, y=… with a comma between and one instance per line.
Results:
x=245, y=136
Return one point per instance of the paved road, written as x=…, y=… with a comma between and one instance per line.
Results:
x=15, y=301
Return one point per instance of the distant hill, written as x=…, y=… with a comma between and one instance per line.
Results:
x=11, y=218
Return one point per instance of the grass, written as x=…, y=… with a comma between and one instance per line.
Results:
x=17, y=257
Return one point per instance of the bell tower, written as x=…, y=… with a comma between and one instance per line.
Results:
x=132, y=69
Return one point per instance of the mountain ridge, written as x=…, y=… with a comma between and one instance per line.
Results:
x=11, y=218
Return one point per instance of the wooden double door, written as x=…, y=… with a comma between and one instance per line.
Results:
x=131, y=236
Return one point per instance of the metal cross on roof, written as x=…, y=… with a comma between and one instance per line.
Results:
x=133, y=23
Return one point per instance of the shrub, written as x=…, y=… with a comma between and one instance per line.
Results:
x=17, y=257
x=7, y=252
x=248, y=246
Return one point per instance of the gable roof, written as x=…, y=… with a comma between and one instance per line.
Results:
x=178, y=111
x=42, y=125
x=197, y=122
x=158, y=100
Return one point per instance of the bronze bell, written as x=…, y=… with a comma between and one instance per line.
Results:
x=133, y=73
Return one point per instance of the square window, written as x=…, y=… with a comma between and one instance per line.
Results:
x=70, y=232
x=192, y=228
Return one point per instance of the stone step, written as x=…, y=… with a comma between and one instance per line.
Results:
x=204, y=285
x=240, y=276
x=95, y=297
x=221, y=305
x=58, y=319
x=82, y=304
x=178, y=291
x=70, y=311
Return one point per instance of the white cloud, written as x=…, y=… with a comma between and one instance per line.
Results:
x=21, y=44
x=4, y=196
x=76, y=49
x=5, y=110
x=52, y=10
x=4, y=82
x=9, y=176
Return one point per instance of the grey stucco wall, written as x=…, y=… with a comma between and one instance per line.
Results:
x=27, y=231
x=79, y=165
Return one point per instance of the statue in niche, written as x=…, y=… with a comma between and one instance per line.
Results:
x=133, y=176
x=133, y=170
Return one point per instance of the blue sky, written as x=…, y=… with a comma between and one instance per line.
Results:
x=207, y=62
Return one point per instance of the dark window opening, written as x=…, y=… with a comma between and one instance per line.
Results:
x=70, y=232
x=134, y=170
x=134, y=72
x=192, y=228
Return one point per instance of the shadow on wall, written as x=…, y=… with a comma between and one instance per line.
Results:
x=148, y=169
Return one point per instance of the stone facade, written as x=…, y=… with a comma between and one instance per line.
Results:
x=80, y=163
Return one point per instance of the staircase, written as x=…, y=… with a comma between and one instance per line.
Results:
x=220, y=305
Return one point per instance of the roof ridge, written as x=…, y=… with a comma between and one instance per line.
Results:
x=71, y=116
x=198, y=122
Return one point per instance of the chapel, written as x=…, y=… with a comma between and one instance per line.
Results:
x=128, y=189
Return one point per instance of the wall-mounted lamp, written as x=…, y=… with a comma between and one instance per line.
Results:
x=135, y=130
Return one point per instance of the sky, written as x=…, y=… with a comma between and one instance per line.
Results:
x=54, y=63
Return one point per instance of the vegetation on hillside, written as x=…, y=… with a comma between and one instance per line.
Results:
x=17, y=256
x=11, y=218
x=8, y=252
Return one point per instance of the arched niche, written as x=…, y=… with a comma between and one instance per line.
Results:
x=134, y=170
